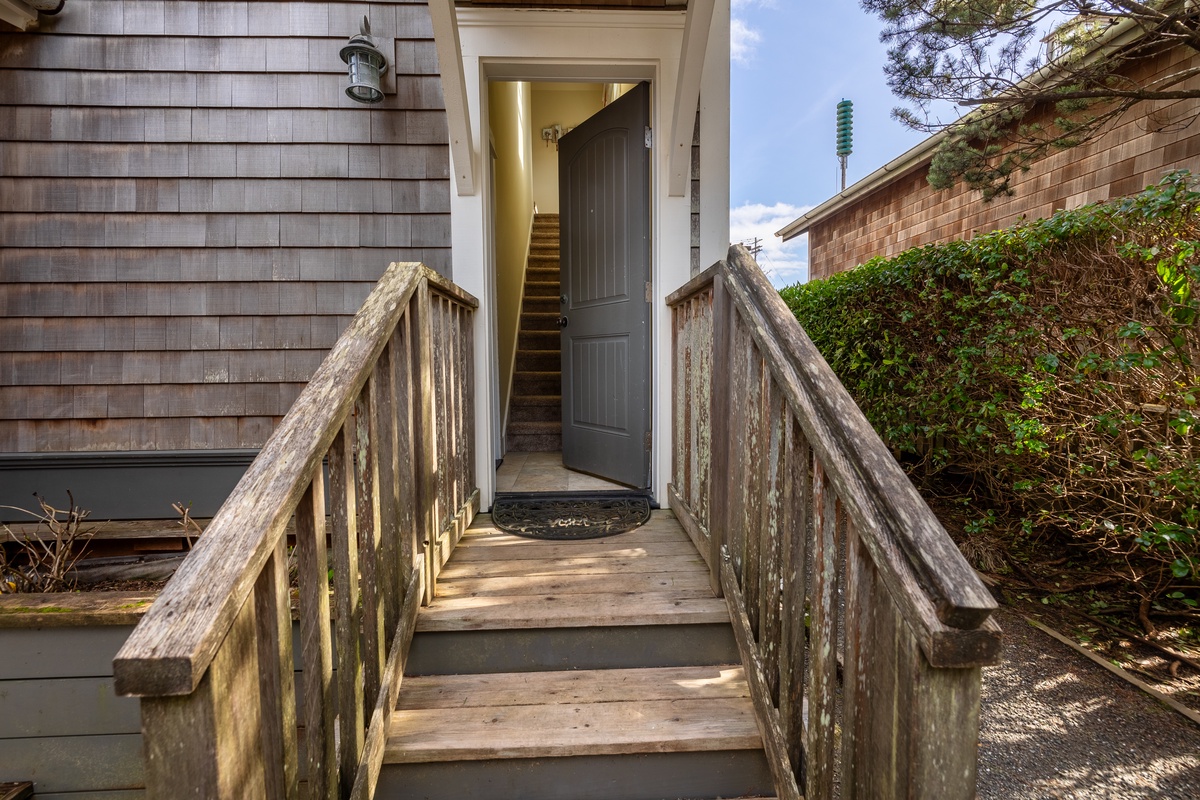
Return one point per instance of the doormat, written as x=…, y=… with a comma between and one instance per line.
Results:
x=547, y=516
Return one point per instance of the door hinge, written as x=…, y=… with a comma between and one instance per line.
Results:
x=649, y=292
x=649, y=138
x=649, y=440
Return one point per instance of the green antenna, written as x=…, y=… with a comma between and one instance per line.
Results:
x=845, y=134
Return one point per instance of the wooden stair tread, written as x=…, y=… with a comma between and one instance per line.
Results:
x=16, y=791
x=689, y=582
x=565, y=610
x=582, y=712
x=573, y=686
x=578, y=565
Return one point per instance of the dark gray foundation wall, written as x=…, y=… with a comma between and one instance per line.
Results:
x=121, y=486
x=191, y=210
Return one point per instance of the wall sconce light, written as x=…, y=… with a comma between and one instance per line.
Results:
x=367, y=65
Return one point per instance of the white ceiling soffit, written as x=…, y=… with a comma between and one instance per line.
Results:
x=687, y=93
x=454, y=88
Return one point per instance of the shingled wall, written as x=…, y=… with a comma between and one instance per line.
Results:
x=191, y=209
x=1155, y=138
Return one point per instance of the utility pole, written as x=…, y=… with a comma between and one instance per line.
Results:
x=845, y=135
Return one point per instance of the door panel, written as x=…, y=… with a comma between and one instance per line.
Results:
x=604, y=190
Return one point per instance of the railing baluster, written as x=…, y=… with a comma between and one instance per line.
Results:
x=425, y=441
x=273, y=618
x=315, y=644
x=366, y=471
x=702, y=412
x=468, y=337
x=389, y=545
x=822, y=672
x=720, y=491
x=794, y=554
x=756, y=468
x=772, y=505
x=402, y=362
x=855, y=687
x=348, y=612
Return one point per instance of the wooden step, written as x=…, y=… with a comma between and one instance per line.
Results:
x=574, y=713
x=617, y=734
x=639, y=599
x=16, y=791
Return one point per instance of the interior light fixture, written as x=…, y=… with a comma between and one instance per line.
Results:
x=366, y=66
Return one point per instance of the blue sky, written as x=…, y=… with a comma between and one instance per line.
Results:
x=792, y=61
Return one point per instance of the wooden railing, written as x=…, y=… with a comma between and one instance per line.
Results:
x=832, y=565
x=390, y=411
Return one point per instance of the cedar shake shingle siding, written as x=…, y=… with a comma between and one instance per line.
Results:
x=1151, y=140
x=191, y=209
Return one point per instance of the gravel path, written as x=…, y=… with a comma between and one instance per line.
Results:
x=1057, y=726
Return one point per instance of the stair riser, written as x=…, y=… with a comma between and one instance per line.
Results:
x=541, y=305
x=537, y=383
x=539, y=321
x=533, y=443
x=643, y=776
x=538, y=361
x=619, y=647
x=534, y=414
x=541, y=289
x=539, y=341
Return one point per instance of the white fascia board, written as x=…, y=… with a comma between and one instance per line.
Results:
x=17, y=14
x=454, y=90
x=687, y=92
x=1123, y=33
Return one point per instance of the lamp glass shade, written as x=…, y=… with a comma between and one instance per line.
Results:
x=366, y=65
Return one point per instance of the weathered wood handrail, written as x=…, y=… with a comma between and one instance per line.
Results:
x=825, y=553
x=390, y=411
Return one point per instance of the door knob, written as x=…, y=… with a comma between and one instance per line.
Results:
x=562, y=322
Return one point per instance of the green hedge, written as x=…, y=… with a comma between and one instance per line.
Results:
x=1052, y=365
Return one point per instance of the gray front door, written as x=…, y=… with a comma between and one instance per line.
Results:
x=604, y=192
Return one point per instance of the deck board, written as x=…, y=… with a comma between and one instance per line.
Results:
x=497, y=581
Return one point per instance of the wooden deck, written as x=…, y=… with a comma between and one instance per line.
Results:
x=497, y=582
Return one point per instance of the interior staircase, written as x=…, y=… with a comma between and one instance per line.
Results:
x=590, y=670
x=535, y=406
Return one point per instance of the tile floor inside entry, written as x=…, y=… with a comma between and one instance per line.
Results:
x=544, y=472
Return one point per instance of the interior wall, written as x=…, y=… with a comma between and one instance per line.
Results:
x=566, y=105
x=512, y=136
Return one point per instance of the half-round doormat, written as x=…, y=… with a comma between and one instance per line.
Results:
x=570, y=516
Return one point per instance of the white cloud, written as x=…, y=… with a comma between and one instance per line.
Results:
x=784, y=262
x=743, y=42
